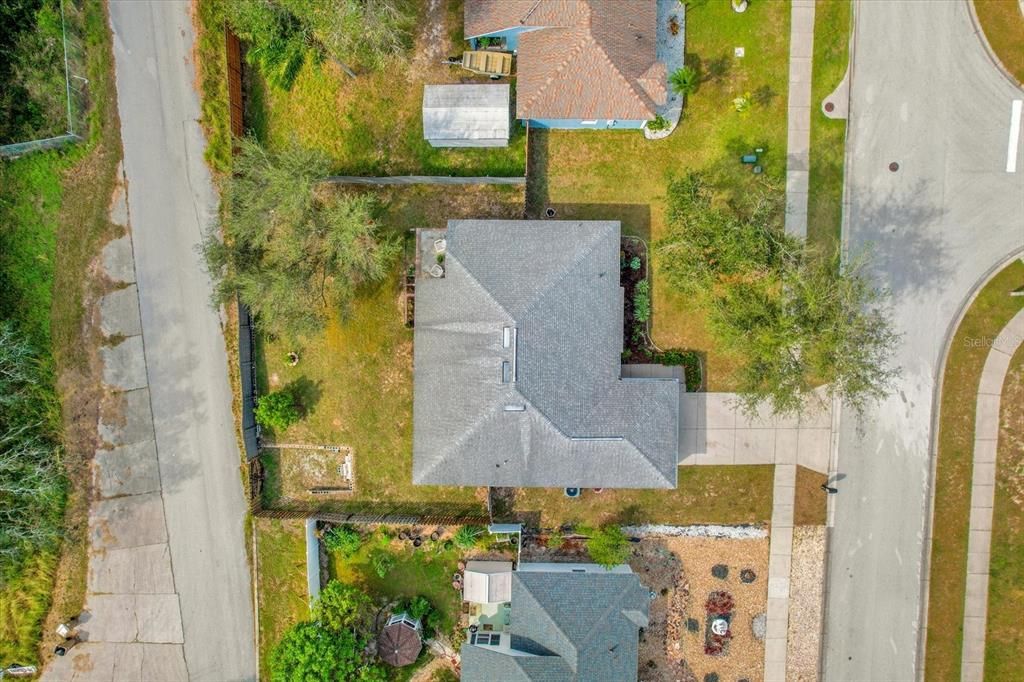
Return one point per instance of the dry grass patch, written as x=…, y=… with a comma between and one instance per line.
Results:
x=282, y=590
x=809, y=508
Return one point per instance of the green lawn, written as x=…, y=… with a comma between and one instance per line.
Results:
x=1003, y=24
x=1004, y=642
x=828, y=136
x=620, y=175
x=281, y=557
x=991, y=310
x=426, y=571
x=727, y=494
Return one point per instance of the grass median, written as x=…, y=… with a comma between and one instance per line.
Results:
x=987, y=315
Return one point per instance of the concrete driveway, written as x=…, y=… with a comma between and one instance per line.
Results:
x=923, y=95
x=172, y=201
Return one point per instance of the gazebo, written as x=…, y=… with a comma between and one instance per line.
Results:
x=399, y=643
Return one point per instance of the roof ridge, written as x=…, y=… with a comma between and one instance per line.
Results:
x=640, y=97
x=615, y=605
x=641, y=451
x=575, y=650
x=569, y=57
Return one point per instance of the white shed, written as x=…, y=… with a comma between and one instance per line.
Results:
x=467, y=115
x=488, y=582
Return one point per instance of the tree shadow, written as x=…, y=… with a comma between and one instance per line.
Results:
x=708, y=71
x=306, y=393
x=894, y=232
x=764, y=96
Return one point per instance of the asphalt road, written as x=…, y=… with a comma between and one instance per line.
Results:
x=924, y=95
x=171, y=200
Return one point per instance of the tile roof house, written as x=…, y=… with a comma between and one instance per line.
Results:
x=581, y=63
x=568, y=622
x=517, y=364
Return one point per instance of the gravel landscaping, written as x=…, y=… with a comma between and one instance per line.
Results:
x=678, y=570
x=805, y=603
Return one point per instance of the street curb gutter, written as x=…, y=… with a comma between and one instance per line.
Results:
x=992, y=57
x=844, y=232
x=934, y=445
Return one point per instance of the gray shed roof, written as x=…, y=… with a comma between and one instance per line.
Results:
x=577, y=626
x=564, y=417
x=466, y=112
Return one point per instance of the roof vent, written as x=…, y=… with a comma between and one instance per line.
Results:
x=515, y=408
x=506, y=372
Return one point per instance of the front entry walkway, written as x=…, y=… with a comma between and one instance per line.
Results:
x=713, y=430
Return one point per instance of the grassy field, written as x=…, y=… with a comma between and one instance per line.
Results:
x=620, y=175
x=1003, y=25
x=986, y=317
x=1004, y=642
x=359, y=371
x=728, y=494
x=281, y=557
x=828, y=136
x=54, y=220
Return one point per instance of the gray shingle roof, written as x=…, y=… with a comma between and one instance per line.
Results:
x=575, y=422
x=580, y=626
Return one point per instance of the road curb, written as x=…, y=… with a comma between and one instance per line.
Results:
x=992, y=56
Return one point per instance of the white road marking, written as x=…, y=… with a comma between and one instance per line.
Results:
x=1011, y=147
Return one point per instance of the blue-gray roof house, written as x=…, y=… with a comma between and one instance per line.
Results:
x=564, y=626
x=517, y=364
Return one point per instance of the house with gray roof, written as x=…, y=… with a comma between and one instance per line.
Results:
x=517, y=363
x=567, y=622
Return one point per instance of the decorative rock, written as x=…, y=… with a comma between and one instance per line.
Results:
x=760, y=626
x=747, y=575
x=720, y=571
x=692, y=624
x=711, y=677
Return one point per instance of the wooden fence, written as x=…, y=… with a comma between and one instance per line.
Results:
x=234, y=51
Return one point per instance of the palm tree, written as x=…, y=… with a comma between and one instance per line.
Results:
x=684, y=81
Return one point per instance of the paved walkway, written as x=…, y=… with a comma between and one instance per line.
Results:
x=132, y=620
x=983, y=480
x=798, y=139
x=780, y=554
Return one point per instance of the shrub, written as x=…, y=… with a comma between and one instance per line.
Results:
x=642, y=301
x=308, y=651
x=419, y=607
x=659, y=122
x=719, y=603
x=555, y=540
x=342, y=607
x=382, y=563
x=607, y=546
x=684, y=81
x=277, y=410
x=466, y=536
x=635, y=263
x=345, y=540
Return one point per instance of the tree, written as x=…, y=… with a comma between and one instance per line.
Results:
x=276, y=410
x=607, y=546
x=308, y=651
x=684, y=81
x=795, y=317
x=362, y=32
x=817, y=325
x=277, y=41
x=292, y=251
x=343, y=608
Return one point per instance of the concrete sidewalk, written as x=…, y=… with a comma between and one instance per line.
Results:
x=779, y=561
x=132, y=623
x=983, y=480
x=798, y=138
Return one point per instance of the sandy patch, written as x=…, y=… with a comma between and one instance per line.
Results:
x=805, y=603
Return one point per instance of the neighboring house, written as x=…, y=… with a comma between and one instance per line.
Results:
x=581, y=64
x=517, y=363
x=563, y=622
x=467, y=115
